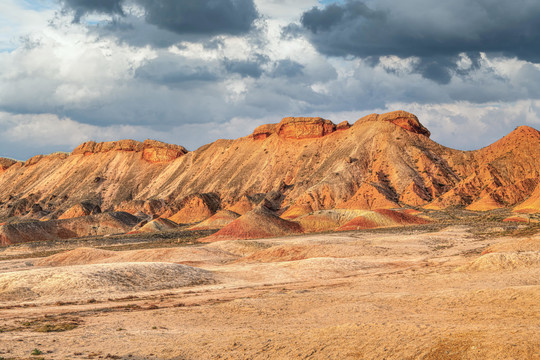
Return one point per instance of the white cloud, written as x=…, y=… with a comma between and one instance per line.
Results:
x=284, y=11
x=23, y=136
x=84, y=85
x=17, y=20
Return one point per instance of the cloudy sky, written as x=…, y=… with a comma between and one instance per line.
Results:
x=192, y=71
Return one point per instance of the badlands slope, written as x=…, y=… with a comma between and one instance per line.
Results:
x=306, y=172
x=380, y=161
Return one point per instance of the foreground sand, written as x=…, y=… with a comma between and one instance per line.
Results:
x=414, y=293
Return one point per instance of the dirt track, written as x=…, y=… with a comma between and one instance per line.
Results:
x=329, y=296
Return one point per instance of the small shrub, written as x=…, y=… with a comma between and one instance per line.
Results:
x=36, y=352
x=59, y=327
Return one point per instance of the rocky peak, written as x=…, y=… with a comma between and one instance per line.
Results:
x=400, y=118
x=523, y=133
x=5, y=163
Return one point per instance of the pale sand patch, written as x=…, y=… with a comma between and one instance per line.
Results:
x=98, y=281
x=187, y=255
x=504, y=261
x=515, y=245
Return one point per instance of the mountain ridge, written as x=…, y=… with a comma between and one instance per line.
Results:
x=379, y=161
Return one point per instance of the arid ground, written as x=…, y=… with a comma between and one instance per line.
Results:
x=445, y=291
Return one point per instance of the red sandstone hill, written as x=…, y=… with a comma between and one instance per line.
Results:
x=308, y=164
x=532, y=204
x=257, y=223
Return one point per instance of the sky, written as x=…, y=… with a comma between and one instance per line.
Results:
x=190, y=72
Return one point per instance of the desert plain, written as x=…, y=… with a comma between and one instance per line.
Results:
x=304, y=240
x=462, y=289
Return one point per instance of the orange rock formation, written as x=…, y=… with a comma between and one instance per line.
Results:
x=81, y=209
x=196, y=207
x=309, y=164
x=92, y=225
x=150, y=150
x=532, y=204
x=258, y=223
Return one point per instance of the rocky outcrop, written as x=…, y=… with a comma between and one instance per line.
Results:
x=151, y=150
x=93, y=225
x=304, y=127
x=84, y=208
x=485, y=203
x=91, y=147
x=370, y=197
x=196, y=207
x=243, y=205
x=35, y=159
x=264, y=131
x=258, y=223
x=344, y=125
x=400, y=118
x=298, y=128
x=326, y=220
x=6, y=163
x=158, y=152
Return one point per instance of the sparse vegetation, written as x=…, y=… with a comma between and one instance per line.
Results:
x=58, y=327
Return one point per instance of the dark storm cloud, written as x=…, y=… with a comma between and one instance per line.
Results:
x=83, y=7
x=135, y=31
x=433, y=31
x=167, y=71
x=244, y=67
x=202, y=17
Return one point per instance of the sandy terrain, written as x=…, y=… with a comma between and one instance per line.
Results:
x=417, y=293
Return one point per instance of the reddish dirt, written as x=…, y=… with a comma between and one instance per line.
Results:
x=358, y=224
x=402, y=218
